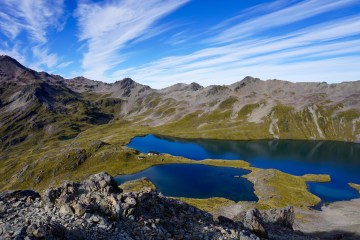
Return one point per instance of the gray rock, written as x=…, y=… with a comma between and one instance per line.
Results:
x=254, y=223
x=97, y=209
x=40, y=232
x=66, y=210
x=284, y=217
x=79, y=210
x=18, y=234
x=95, y=220
x=102, y=183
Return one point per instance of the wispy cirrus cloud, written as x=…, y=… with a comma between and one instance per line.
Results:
x=108, y=26
x=288, y=15
x=13, y=51
x=256, y=10
x=31, y=16
x=270, y=40
x=327, y=48
x=34, y=19
x=45, y=58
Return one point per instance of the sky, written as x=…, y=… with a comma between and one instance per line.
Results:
x=163, y=42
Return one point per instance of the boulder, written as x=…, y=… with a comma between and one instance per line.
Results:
x=66, y=210
x=283, y=217
x=20, y=194
x=254, y=223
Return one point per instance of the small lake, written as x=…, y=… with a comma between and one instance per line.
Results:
x=197, y=181
x=340, y=160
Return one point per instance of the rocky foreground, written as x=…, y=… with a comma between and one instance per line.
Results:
x=98, y=209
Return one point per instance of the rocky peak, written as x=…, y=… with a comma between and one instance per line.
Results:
x=247, y=81
x=10, y=69
x=7, y=59
x=9, y=65
x=216, y=89
x=178, y=87
x=195, y=86
x=80, y=79
x=126, y=83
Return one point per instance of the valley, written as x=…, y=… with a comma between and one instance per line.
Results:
x=54, y=129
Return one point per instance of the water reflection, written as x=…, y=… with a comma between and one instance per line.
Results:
x=339, y=159
x=197, y=181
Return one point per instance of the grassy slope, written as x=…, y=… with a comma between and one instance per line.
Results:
x=334, y=123
x=101, y=148
x=137, y=185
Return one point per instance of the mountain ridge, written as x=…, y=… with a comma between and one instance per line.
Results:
x=36, y=100
x=50, y=127
x=246, y=80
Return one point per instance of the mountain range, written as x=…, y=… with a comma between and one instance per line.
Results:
x=37, y=107
x=52, y=128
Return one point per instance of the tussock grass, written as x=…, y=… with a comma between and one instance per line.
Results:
x=355, y=186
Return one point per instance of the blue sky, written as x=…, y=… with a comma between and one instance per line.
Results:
x=163, y=42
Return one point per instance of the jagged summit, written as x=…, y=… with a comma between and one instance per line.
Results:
x=195, y=86
x=126, y=83
x=7, y=62
x=250, y=79
x=8, y=58
x=11, y=69
x=183, y=87
x=246, y=81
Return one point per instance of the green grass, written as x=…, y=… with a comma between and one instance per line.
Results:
x=276, y=189
x=226, y=163
x=247, y=110
x=355, y=186
x=317, y=178
x=228, y=103
x=209, y=204
x=137, y=185
x=43, y=160
x=349, y=115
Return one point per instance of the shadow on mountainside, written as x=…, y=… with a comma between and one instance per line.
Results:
x=334, y=235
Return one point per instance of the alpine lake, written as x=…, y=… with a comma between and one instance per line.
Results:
x=340, y=160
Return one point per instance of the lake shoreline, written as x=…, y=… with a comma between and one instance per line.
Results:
x=297, y=158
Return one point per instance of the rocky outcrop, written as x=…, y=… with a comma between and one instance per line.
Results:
x=270, y=224
x=98, y=209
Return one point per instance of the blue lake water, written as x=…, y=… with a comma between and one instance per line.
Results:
x=197, y=181
x=340, y=160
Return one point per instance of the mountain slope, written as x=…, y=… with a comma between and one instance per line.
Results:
x=48, y=106
x=53, y=128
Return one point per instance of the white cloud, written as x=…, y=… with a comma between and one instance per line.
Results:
x=44, y=58
x=330, y=70
x=277, y=57
x=250, y=12
x=108, y=27
x=294, y=13
x=64, y=64
x=14, y=52
x=32, y=16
